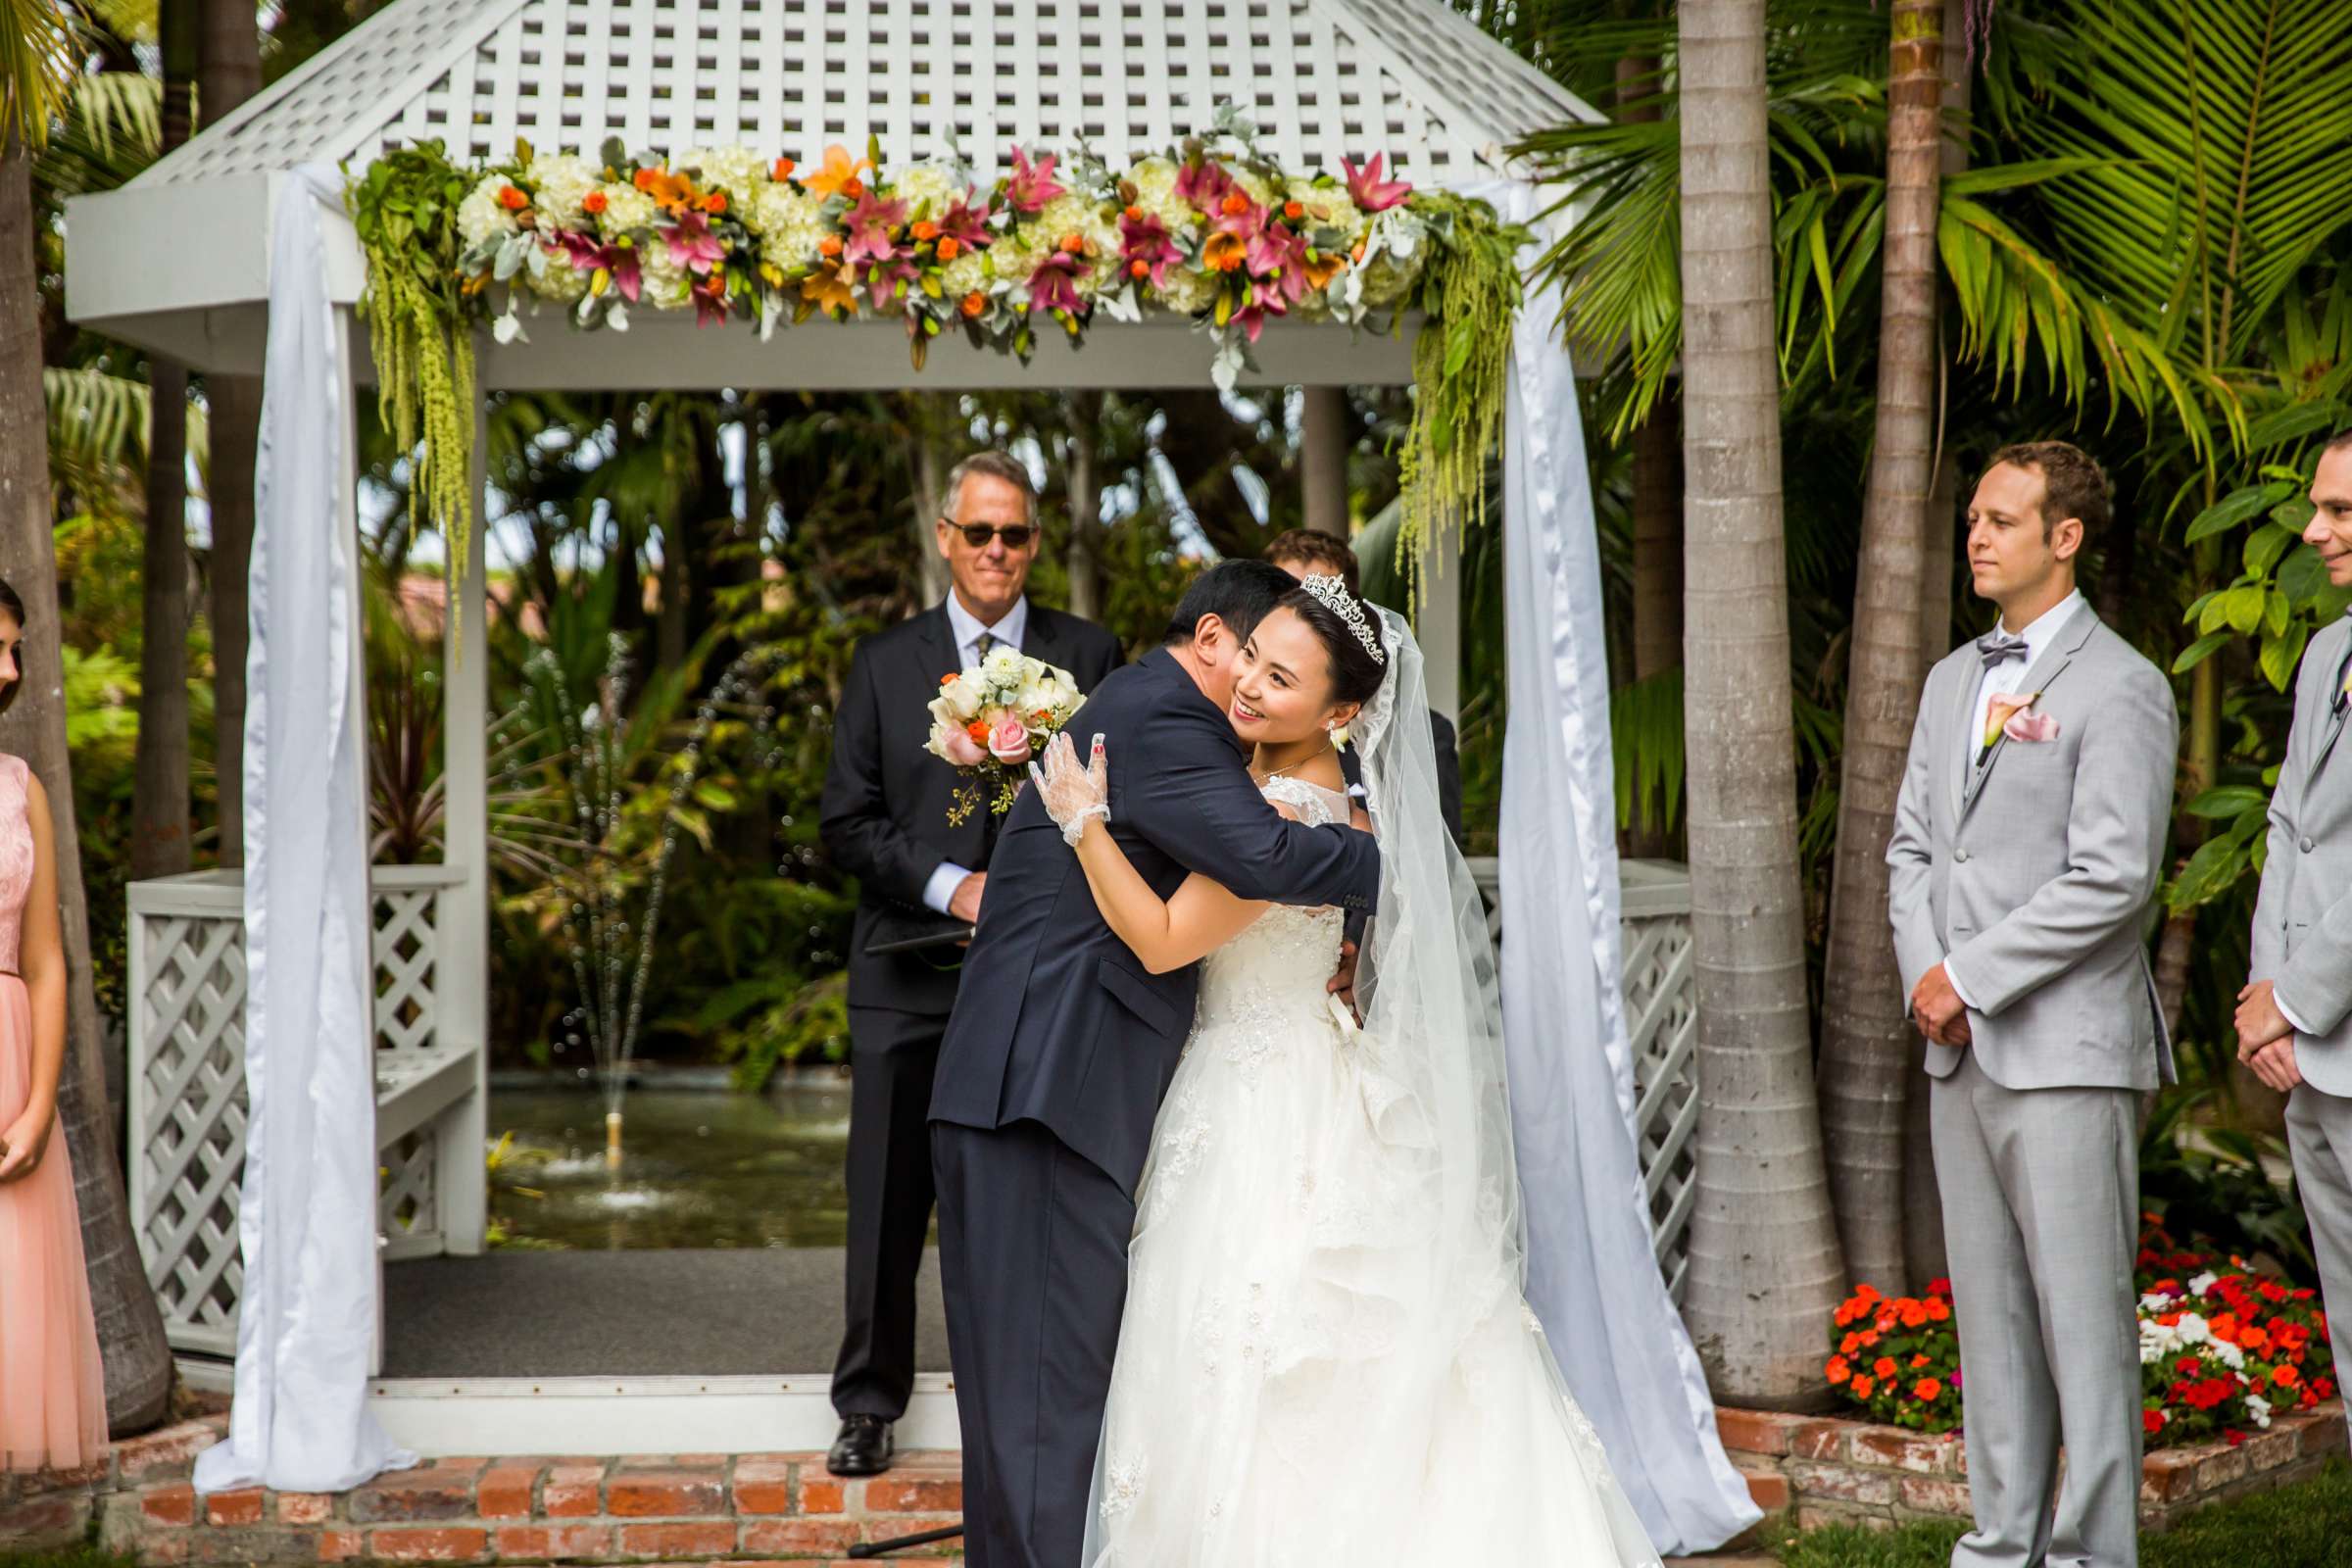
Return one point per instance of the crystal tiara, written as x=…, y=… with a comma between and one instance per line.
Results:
x=1335, y=597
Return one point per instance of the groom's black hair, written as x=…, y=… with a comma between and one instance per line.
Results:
x=1238, y=593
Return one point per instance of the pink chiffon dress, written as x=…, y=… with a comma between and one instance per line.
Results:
x=52, y=1390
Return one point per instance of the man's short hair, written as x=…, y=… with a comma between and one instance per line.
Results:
x=1324, y=555
x=2072, y=484
x=2336, y=442
x=996, y=465
x=1239, y=593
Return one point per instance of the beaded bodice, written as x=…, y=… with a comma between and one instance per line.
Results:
x=1278, y=970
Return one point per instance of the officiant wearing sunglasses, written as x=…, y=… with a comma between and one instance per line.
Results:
x=922, y=880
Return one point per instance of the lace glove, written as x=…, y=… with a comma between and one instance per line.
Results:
x=1071, y=794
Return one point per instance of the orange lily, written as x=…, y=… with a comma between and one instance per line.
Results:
x=674, y=192
x=1224, y=252
x=1322, y=266
x=839, y=175
x=828, y=290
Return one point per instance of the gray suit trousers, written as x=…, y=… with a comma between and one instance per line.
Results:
x=2319, y=1128
x=2040, y=1205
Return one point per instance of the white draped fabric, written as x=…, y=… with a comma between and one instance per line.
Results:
x=1592, y=1276
x=307, y=1217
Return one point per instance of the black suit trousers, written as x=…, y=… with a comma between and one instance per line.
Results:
x=1033, y=1254
x=893, y=1057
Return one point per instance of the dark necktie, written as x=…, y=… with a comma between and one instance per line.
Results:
x=984, y=645
x=1997, y=647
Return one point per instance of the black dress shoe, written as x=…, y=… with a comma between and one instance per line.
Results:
x=862, y=1448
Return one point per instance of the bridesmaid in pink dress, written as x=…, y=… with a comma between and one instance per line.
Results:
x=52, y=1390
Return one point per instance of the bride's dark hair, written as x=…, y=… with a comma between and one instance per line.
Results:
x=1355, y=673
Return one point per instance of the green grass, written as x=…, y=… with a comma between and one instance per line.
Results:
x=66, y=1557
x=2307, y=1525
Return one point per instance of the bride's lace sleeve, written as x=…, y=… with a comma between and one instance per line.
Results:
x=1316, y=806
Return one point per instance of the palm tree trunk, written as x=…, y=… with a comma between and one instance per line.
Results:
x=1765, y=1272
x=1086, y=506
x=130, y=1329
x=228, y=70
x=1323, y=460
x=1865, y=1041
x=159, y=790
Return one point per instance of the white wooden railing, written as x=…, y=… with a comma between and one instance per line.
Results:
x=1661, y=1018
x=187, y=1088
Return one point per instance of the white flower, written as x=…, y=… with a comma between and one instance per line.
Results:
x=928, y=189
x=1328, y=207
x=1156, y=193
x=1003, y=666
x=2259, y=1408
x=790, y=222
x=1259, y=189
x=563, y=183
x=967, y=272
x=1089, y=219
x=1189, y=290
x=1014, y=256
x=553, y=277
x=480, y=216
x=626, y=210
x=1392, y=259
x=963, y=698
x=736, y=170
x=2202, y=1283
x=666, y=282
x=2193, y=1329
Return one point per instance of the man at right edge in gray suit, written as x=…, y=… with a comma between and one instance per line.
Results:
x=2028, y=842
x=2294, y=1017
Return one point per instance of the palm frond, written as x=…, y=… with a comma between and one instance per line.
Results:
x=37, y=66
x=120, y=110
x=99, y=421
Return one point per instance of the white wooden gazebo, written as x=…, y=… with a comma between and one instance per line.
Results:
x=178, y=261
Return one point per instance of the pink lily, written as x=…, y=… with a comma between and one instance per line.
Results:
x=1032, y=185
x=618, y=260
x=1054, y=285
x=966, y=224
x=710, y=299
x=693, y=246
x=1204, y=185
x=870, y=222
x=1145, y=240
x=1278, y=251
x=1263, y=302
x=883, y=277
x=1369, y=192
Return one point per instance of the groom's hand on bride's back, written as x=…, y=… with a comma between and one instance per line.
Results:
x=1342, y=979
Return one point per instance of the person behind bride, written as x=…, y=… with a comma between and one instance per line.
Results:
x=1325, y=1357
x=52, y=1388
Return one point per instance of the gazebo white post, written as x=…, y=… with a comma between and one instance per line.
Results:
x=462, y=934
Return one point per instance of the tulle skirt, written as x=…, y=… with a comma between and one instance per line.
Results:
x=52, y=1390
x=1284, y=1396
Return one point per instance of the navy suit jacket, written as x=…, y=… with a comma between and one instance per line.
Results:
x=1058, y=1022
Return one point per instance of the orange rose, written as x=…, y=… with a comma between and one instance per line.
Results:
x=783, y=168
x=1135, y=214
x=513, y=200
x=977, y=729
x=926, y=231
x=1837, y=1370
x=950, y=248
x=1292, y=211
x=715, y=202
x=1235, y=204
x=1073, y=244
x=830, y=245
x=596, y=201
x=974, y=302
x=1139, y=269
x=1926, y=1389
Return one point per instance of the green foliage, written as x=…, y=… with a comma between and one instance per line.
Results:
x=1646, y=738
x=2211, y=1186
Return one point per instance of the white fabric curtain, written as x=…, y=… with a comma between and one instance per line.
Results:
x=307, y=1215
x=1592, y=1276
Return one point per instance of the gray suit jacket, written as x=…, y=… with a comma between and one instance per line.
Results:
x=2029, y=879
x=2303, y=919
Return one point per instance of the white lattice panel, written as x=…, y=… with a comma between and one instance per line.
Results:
x=187, y=1084
x=1325, y=78
x=1661, y=1016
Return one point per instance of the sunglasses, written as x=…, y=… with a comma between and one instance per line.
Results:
x=1016, y=535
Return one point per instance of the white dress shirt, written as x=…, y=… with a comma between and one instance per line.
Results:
x=968, y=629
x=2004, y=680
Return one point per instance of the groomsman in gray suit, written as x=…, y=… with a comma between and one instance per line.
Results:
x=2028, y=841
x=2294, y=1017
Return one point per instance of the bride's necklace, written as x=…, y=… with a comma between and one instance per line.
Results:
x=1270, y=777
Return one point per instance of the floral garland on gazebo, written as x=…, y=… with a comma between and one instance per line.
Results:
x=1213, y=231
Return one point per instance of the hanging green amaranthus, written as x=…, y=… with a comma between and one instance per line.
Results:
x=1469, y=294
x=419, y=311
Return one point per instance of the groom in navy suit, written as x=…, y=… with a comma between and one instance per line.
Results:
x=1060, y=1048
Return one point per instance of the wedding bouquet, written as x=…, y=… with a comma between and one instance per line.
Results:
x=991, y=721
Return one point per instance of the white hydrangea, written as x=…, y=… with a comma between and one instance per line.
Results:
x=1016, y=255
x=665, y=281
x=1259, y=189
x=479, y=215
x=1187, y=292
x=1083, y=215
x=563, y=182
x=556, y=278
x=626, y=209
x=928, y=189
x=967, y=272
x=1328, y=207
x=790, y=222
x=1156, y=193
x=735, y=170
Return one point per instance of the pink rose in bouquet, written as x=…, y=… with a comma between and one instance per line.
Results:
x=1008, y=742
x=962, y=750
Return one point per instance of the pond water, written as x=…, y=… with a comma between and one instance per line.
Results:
x=699, y=1169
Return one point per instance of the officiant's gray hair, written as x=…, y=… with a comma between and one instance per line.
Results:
x=996, y=465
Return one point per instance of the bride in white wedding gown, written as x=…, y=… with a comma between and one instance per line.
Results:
x=1326, y=1357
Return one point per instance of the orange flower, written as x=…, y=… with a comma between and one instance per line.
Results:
x=950, y=248
x=1848, y=1312
x=828, y=289
x=974, y=302
x=1862, y=1388
x=947, y=680
x=715, y=202
x=1321, y=267
x=1938, y=1309
x=1139, y=269
x=513, y=200
x=830, y=245
x=783, y=168
x=1918, y=1361
x=839, y=175
x=673, y=191
x=926, y=231
x=1913, y=1314
x=1837, y=1370
x=1235, y=204
x=2285, y=1377
x=1135, y=214
x=1073, y=243
x=1358, y=252
x=977, y=729
x=596, y=201
x=1870, y=1337
x=1884, y=1367
x=2253, y=1340
x=1927, y=1389
x=1292, y=211
x=1850, y=1345
x=1225, y=253
x=2225, y=1328
x=1866, y=1292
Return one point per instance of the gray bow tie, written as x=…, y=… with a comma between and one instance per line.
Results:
x=1997, y=648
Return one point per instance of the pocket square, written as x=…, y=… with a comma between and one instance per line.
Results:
x=2031, y=727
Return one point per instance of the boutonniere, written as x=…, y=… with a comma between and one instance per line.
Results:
x=2012, y=717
